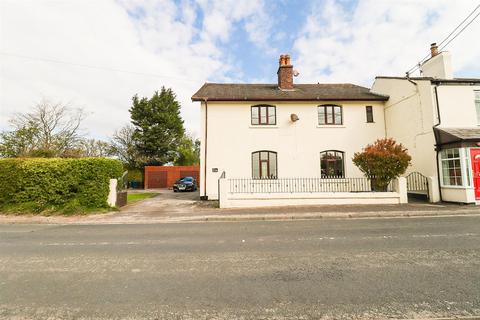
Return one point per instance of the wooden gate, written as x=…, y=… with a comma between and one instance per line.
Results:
x=157, y=179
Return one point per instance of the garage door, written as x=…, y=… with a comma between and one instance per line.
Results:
x=157, y=179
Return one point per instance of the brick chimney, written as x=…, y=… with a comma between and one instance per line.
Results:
x=285, y=73
x=434, y=49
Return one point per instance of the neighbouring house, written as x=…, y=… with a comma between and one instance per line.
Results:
x=287, y=143
x=165, y=176
x=437, y=117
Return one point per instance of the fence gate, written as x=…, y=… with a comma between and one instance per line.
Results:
x=417, y=185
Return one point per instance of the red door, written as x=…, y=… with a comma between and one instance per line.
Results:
x=475, y=154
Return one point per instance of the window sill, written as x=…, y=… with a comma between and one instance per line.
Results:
x=456, y=187
x=265, y=126
x=331, y=126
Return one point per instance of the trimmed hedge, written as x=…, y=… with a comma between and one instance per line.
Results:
x=41, y=184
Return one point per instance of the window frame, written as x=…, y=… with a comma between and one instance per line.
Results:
x=269, y=175
x=267, y=115
x=326, y=176
x=325, y=107
x=463, y=159
x=369, y=114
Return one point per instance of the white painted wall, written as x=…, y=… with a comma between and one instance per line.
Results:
x=457, y=105
x=458, y=194
x=246, y=200
x=231, y=139
x=410, y=115
x=439, y=66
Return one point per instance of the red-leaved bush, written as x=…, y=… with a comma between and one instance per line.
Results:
x=382, y=161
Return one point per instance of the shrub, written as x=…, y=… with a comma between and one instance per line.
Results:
x=382, y=161
x=50, y=184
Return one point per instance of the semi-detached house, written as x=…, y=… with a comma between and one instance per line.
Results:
x=290, y=144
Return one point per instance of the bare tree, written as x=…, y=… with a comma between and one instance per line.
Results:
x=54, y=129
x=124, y=148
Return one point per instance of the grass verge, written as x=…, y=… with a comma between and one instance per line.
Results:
x=31, y=208
x=135, y=197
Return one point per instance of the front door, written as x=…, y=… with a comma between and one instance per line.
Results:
x=475, y=154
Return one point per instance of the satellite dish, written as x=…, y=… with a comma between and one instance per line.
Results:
x=295, y=73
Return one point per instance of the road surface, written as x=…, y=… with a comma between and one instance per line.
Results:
x=315, y=269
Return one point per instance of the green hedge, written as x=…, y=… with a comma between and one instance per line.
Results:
x=42, y=184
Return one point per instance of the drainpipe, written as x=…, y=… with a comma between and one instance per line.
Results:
x=205, y=197
x=436, y=141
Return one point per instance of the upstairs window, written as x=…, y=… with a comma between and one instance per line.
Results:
x=477, y=105
x=331, y=164
x=369, y=112
x=264, y=165
x=330, y=115
x=264, y=115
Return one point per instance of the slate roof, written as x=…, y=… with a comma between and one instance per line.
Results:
x=271, y=92
x=436, y=80
x=454, y=135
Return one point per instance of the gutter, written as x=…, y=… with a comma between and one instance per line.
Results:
x=436, y=140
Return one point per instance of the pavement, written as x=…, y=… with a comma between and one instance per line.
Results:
x=170, y=207
x=396, y=268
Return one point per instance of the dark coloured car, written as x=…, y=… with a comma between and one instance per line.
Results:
x=185, y=184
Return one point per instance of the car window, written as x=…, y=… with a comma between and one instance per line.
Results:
x=188, y=179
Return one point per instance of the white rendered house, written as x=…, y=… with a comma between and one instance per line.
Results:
x=284, y=130
x=437, y=117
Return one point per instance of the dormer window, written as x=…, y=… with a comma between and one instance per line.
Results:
x=330, y=115
x=264, y=115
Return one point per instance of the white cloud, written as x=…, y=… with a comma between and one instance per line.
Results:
x=339, y=44
x=159, y=37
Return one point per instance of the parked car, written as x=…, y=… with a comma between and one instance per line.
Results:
x=185, y=184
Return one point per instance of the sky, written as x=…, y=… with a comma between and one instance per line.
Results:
x=97, y=54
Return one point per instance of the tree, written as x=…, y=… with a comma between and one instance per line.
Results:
x=188, y=152
x=382, y=161
x=123, y=146
x=50, y=130
x=158, y=127
x=95, y=148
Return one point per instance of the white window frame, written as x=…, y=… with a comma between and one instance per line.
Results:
x=464, y=157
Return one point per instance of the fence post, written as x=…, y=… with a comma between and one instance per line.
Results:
x=223, y=192
x=433, y=191
x=112, y=193
x=400, y=186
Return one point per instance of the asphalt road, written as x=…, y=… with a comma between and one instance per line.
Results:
x=316, y=269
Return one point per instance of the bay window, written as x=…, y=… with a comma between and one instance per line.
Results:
x=455, y=166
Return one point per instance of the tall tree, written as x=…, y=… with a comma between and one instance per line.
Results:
x=188, y=152
x=123, y=146
x=158, y=127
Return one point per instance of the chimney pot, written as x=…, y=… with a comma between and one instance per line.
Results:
x=285, y=73
x=434, y=49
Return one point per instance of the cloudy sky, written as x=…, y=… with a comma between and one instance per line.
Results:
x=97, y=54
